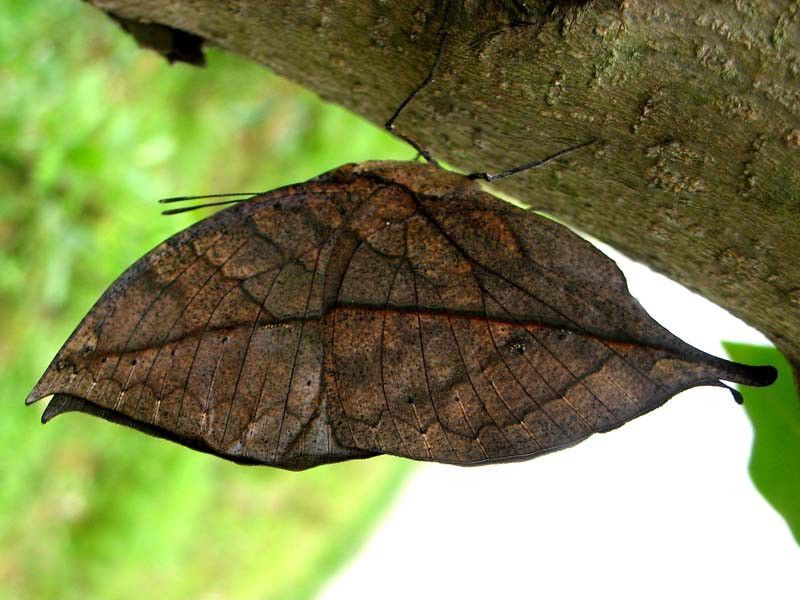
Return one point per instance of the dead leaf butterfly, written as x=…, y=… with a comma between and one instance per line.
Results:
x=382, y=308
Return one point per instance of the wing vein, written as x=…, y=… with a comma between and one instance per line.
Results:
x=424, y=365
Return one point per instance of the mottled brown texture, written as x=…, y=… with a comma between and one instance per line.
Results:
x=381, y=308
x=696, y=104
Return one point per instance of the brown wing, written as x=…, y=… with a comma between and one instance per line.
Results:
x=213, y=338
x=370, y=313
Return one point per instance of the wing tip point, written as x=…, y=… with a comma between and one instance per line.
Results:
x=761, y=375
x=34, y=397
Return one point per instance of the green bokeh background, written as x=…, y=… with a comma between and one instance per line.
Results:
x=92, y=132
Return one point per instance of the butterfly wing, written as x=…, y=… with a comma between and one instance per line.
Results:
x=388, y=308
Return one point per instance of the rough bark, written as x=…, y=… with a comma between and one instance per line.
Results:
x=696, y=106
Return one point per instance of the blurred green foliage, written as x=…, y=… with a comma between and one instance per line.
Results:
x=775, y=414
x=92, y=132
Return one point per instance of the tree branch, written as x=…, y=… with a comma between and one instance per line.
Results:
x=696, y=106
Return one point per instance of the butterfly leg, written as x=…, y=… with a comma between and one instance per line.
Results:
x=485, y=176
x=430, y=78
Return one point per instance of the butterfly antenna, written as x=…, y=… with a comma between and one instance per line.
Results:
x=203, y=197
x=183, y=209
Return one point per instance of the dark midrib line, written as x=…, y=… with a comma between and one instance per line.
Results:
x=578, y=380
x=543, y=270
x=391, y=309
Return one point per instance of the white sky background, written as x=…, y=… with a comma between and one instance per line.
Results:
x=661, y=508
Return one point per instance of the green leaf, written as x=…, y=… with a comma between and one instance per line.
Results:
x=775, y=414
